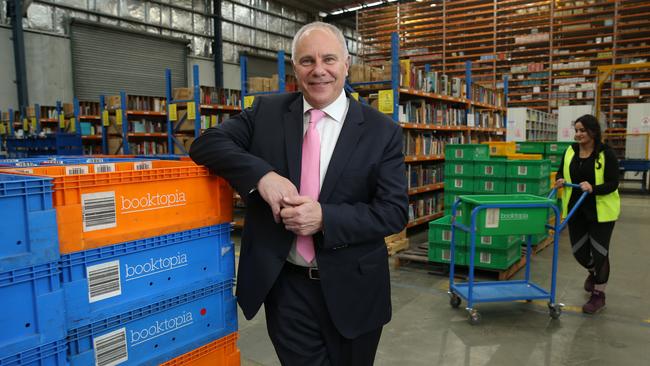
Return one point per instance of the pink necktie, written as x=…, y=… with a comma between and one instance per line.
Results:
x=310, y=177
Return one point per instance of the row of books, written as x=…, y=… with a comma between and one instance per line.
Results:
x=419, y=175
x=222, y=96
x=419, y=111
x=418, y=143
x=485, y=119
x=425, y=205
x=208, y=121
x=148, y=147
x=145, y=126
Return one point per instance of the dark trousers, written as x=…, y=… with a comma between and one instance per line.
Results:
x=302, y=331
x=590, y=245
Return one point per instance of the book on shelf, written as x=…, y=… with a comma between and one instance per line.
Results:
x=221, y=96
x=426, y=143
x=146, y=103
x=145, y=126
x=148, y=147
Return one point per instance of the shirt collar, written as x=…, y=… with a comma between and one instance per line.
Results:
x=336, y=109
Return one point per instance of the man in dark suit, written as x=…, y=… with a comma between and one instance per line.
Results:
x=323, y=179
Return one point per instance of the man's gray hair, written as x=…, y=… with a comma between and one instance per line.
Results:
x=318, y=25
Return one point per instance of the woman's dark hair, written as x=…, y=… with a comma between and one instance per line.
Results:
x=591, y=124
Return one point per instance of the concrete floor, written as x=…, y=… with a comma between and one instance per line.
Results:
x=425, y=330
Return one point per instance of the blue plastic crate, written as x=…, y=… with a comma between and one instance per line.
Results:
x=50, y=144
x=32, y=308
x=27, y=222
x=51, y=354
x=131, y=274
x=159, y=331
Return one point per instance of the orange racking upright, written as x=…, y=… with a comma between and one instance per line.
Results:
x=222, y=352
x=104, y=204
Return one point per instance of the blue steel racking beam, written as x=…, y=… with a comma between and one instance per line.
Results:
x=196, y=91
x=102, y=107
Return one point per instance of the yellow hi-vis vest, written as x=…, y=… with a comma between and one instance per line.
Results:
x=608, y=206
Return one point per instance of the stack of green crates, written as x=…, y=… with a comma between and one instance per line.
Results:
x=528, y=177
x=492, y=252
x=554, y=152
x=460, y=177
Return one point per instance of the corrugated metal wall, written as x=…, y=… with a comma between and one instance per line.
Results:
x=107, y=60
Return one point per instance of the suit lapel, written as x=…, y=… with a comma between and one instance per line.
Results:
x=347, y=142
x=293, y=125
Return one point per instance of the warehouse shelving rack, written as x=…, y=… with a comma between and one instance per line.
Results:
x=243, y=66
x=466, y=103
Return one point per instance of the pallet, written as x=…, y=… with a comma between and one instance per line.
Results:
x=420, y=256
x=397, y=246
x=540, y=246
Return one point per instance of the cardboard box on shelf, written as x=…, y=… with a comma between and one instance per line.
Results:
x=113, y=102
x=183, y=94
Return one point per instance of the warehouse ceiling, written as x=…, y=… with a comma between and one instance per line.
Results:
x=337, y=10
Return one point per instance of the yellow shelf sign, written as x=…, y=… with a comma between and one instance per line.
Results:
x=33, y=123
x=73, y=125
x=191, y=111
x=2, y=129
x=173, y=116
x=25, y=124
x=105, y=119
x=386, y=101
x=248, y=101
x=118, y=117
x=213, y=120
x=355, y=96
x=61, y=121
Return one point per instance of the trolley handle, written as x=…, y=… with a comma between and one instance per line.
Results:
x=575, y=207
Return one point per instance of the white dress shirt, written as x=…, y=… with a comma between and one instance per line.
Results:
x=329, y=129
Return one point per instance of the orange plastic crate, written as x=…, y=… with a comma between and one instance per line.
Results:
x=524, y=156
x=222, y=352
x=500, y=148
x=95, y=209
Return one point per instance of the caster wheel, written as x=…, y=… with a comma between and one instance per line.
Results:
x=554, y=311
x=474, y=317
x=454, y=301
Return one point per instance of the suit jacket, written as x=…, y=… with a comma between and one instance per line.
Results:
x=363, y=199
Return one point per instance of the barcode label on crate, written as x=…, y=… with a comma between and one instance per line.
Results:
x=105, y=168
x=76, y=169
x=522, y=170
x=94, y=160
x=492, y=218
x=143, y=165
x=489, y=170
x=489, y=186
x=103, y=281
x=111, y=348
x=446, y=235
x=24, y=171
x=98, y=211
x=493, y=150
x=23, y=164
x=446, y=255
x=521, y=187
x=458, y=154
x=458, y=169
x=553, y=147
x=485, y=258
x=487, y=240
x=458, y=183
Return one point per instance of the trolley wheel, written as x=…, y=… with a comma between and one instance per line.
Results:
x=454, y=301
x=474, y=317
x=554, y=310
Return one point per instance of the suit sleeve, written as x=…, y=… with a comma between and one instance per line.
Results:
x=224, y=149
x=610, y=174
x=384, y=214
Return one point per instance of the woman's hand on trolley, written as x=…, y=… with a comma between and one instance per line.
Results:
x=586, y=187
x=559, y=183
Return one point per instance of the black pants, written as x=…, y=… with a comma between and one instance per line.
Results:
x=590, y=245
x=302, y=331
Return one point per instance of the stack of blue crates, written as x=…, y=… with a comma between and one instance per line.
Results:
x=136, y=302
x=32, y=319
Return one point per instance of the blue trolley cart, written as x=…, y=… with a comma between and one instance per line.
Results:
x=501, y=291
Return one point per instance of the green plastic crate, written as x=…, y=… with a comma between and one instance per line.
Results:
x=460, y=184
x=441, y=253
x=449, y=197
x=489, y=185
x=555, y=159
x=531, y=147
x=459, y=168
x=496, y=258
x=506, y=221
x=440, y=233
x=557, y=147
x=531, y=169
x=538, y=187
x=468, y=152
x=490, y=168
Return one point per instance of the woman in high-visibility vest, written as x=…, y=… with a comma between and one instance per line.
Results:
x=592, y=164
